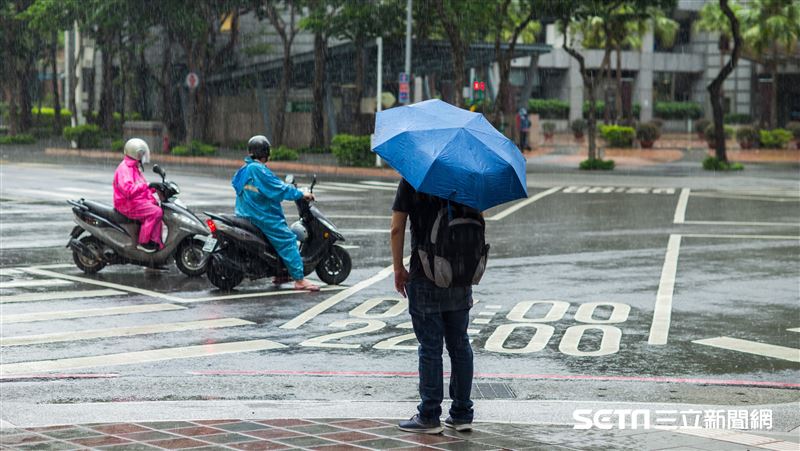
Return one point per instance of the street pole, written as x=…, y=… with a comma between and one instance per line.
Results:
x=379, y=89
x=408, y=38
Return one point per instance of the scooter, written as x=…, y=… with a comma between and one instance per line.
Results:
x=238, y=248
x=103, y=236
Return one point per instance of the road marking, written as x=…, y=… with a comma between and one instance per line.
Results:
x=8, y=272
x=752, y=347
x=261, y=294
x=122, y=331
x=344, y=187
x=129, y=358
x=794, y=329
x=28, y=226
x=32, y=241
x=361, y=187
x=493, y=307
x=743, y=197
x=522, y=204
x=481, y=321
x=377, y=183
x=759, y=237
x=487, y=313
x=473, y=331
x=311, y=313
x=659, y=329
x=364, y=231
x=34, y=283
x=58, y=295
x=680, y=210
x=334, y=216
x=87, y=313
x=44, y=272
x=739, y=223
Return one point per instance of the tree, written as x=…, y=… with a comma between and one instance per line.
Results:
x=18, y=51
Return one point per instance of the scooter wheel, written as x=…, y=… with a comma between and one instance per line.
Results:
x=335, y=268
x=89, y=265
x=190, y=258
x=221, y=277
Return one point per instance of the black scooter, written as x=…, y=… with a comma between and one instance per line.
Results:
x=238, y=248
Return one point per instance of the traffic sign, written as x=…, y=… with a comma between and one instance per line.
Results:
x=192, y=80
x=403, y=92
x=403, y=77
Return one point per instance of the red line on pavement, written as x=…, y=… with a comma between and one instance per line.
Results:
x=677, y=380
x=58, y=376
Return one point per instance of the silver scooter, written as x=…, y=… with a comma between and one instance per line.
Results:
x=103, y=236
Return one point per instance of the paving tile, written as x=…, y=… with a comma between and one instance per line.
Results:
x=120, y=428
x=129, y=447
x=48, y=446
x=148, y=436
x=212, y=448
x=93, y=442
x=19, y=439
x=383, y=443
x=315, y=429
x=329, y=420
x=428, y=439
x=415, y=448
x=68, y=434
x=272, y=433
x=261, y=445
x=177, y=443
x=284, y=422
x=227, y=438
x=349, y=436
x=465, y=446
x=387, y=431
x=305, y=441
x=508, y=442
x=339, y=448
x=194, y=431
x=49, y=428
x=358, y=424
x=166, y=424
x=212, y=422
x=241, y=426
x=471, y=435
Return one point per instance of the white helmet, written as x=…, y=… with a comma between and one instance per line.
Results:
x=137, y=149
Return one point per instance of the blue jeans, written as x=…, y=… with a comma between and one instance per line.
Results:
x=434, y=322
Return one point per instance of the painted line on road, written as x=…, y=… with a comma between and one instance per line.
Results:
x=335, y=216
x=740, y=223
x=568, y=377
x=61, y=376
x=377, y=183
x=740, y=438
x=522, y=204
x=662, y=313
x=257, y=295
x=794, y=329
x=481, y=321
x=87, y=313
x=129, y=358
x=744, y=197
x=314, y=311
x=362, y=187
x=364, y=231
x=44, y=272
x=32, y=241
x=680, y=210
x=345, y=188
x=58, y=295
x=757, y=237
x=9, y=272
x=53, y=266
x=33, y=283
x=122, y=331
x=752, y=347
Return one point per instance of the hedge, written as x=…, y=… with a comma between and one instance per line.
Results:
x=600, y=108
x=353, y=150
x=617, y=135
x=678, y=110
x=86, y=136
x=195, y=148
x=774, y=139
x=283, y=153
x=17, y=139
x=737, y=118
x=549, y=108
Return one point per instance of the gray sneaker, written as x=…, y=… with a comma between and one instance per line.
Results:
x=416, y=424
x=458, y=425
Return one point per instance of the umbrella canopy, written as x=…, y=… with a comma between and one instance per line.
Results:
x=451, y=153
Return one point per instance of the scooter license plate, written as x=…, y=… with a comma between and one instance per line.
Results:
x=211, y=244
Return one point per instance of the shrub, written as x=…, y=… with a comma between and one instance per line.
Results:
x=86, y=136
x=590, y=165
x=700, y=125
x=548, y=127
x=352, y=150
x=549, y=108
x=45, y=117
x=239, y=145
x=578, y=127
x=774, y=139
x=647, y=132
x=283, y=153
x=713, y=164
x=709, y=133
x=195, y=148
x=737, y=118
x=315, y=150
x=117, y=145
x=17, y=139
x=794, y=127
x=678, y=110
x=180, y=150
x=747, y=136
x=600, y=108
x=617, y=135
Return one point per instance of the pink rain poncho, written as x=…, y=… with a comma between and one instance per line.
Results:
x=134, y=199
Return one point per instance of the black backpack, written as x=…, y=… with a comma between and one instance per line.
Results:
x=454, y=253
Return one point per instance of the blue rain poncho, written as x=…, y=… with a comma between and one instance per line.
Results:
x=259, y=194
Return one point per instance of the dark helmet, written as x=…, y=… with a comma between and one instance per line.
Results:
x=259, y=147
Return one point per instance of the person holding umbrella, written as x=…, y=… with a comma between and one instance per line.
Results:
x=455, y=165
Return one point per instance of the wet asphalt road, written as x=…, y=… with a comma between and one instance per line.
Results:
x=617, y=287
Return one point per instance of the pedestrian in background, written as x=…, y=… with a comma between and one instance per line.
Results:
x=523, y=125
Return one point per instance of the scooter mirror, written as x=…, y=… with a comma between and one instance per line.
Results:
x=313, y=182
x=157, y=169
x=289, y=179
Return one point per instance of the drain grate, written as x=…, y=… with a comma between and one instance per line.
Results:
x=490, y=390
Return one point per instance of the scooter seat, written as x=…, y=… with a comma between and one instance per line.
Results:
x=243, y=223
x=108, y=212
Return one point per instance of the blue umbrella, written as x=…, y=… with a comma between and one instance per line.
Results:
x=451, y=153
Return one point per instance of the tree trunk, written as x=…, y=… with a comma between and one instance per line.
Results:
x=106, y=114
x=318, y=88
x=54, y=67
x=605, y=69
x=283, y=93
x=715, y=87
x=773, y=113
x=359, y=91
x=456, y=44
x=590, y=84
x=618, y=96
x=527, y=90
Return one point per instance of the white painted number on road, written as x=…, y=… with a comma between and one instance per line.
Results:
x=616, y=189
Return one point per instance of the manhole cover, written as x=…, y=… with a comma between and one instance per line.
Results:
x=488, y=390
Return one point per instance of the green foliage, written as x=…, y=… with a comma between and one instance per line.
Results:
x=600, y=108
x=47, y=116
x=648, y=132
x=353, y=150
x=774, y=139
x=595, y=164
x=709, y=132
x=714, y=164
x=747, y=135
x=578, y=127
x=86, y=136
x=794, y=127
x=319, y=150
x=549, y=108
x=548, y=127
x=181, y=151
x=239, y=145
x=617, y=135
x=738, y=118
x=50, y=112
x=17, y=139
x=195, y=148
x=678, y=110
x=283, y=153
x=117, y=145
